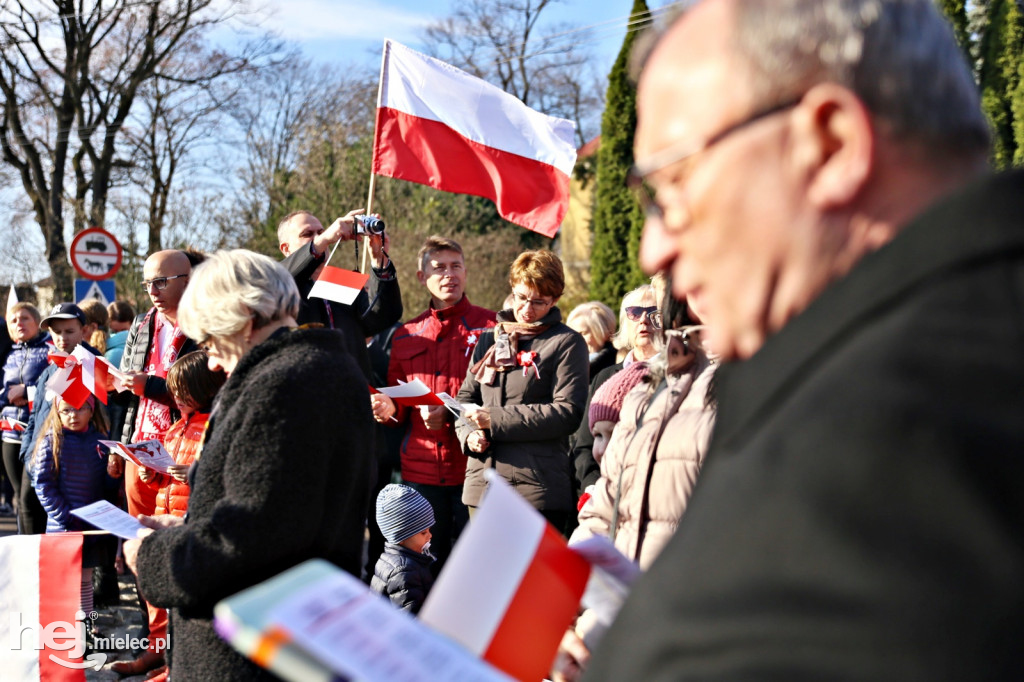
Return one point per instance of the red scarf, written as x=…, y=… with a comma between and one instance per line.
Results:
x=153, y=418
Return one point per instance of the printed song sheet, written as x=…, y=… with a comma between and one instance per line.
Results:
x=106, y=516
x=353, y=631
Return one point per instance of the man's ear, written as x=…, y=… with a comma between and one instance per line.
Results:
x=285, y=249
x=421, y=277
x=835, y=142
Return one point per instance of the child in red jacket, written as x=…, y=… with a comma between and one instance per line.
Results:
x=194, y=387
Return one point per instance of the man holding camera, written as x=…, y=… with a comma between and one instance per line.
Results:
x=306, y=244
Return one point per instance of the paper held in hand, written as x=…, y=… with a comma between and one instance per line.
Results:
x=150, y=454
x=107, y=517
x=411, y=393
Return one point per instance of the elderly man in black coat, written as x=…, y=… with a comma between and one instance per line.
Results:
x=815, y=175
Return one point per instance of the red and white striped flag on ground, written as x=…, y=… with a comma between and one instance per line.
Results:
x=40, y=597
x=442, y=127
x=510, y=588
x=338, y=284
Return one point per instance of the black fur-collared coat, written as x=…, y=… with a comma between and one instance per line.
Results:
x=273, y=486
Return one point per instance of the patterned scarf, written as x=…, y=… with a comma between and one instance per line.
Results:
x=502, y=355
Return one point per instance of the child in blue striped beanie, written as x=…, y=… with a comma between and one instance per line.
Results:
x=402, y=573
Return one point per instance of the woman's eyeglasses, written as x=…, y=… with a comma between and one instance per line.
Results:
x=635, y=313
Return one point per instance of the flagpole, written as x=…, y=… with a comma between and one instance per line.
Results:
x=376, y=133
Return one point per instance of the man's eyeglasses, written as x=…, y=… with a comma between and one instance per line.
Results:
x=635, y=313
x=158, y=283
x=535, y=302
x=638, y=173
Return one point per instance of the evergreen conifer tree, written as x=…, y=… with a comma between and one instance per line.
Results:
x=1000, y=80
x=618, y=219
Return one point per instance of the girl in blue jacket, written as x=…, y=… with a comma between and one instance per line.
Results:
x=70, y=473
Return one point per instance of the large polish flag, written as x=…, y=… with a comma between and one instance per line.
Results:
x=442, y=127
x=40, y=597
x=511, y=586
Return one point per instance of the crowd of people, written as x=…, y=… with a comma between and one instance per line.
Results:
x=803, y=430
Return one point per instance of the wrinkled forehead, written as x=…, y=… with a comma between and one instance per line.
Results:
x=692, y=83
x=303, y=223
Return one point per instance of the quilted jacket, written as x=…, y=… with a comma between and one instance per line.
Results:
x=435, y=348
x=182, y=441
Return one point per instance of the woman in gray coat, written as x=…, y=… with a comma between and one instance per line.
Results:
x=529, y=379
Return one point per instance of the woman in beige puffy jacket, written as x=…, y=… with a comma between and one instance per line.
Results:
x=656, y=452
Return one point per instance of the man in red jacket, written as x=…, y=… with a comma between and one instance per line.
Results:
x=435, y=347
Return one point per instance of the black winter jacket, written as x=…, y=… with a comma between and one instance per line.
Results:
x=403, y=576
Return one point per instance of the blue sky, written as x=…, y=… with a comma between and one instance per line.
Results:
x=350, y=31
x=347, y=33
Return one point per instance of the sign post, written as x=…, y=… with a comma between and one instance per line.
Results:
x=96, y=255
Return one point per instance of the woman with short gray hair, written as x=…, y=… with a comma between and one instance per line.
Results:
x=273, y=484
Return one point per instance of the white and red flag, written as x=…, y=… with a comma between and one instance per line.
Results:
x=511, y=586
x=338, y=284
x=442, y=127
x=67, y=380
x=12, y=425
x=95, y=372
x=42, y=636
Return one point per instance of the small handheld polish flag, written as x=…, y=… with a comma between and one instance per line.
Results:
x=511, y=586
x=338, y=284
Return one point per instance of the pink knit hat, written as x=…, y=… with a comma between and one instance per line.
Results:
x=607, y=400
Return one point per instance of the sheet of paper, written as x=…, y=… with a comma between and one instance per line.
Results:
x=406, y=389
x=148, y=453
x=354, y=631
x=106, y=516
x=455, y=407
x=414, y=392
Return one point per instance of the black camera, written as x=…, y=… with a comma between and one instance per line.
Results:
x=368, y=225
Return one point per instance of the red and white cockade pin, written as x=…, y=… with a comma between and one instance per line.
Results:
x=471, y=342
x=528, y=359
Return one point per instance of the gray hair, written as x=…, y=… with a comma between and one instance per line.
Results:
x=898, y=56
x=594, y=316
x=621, y=340
x=232, y=287
x=282, y=226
